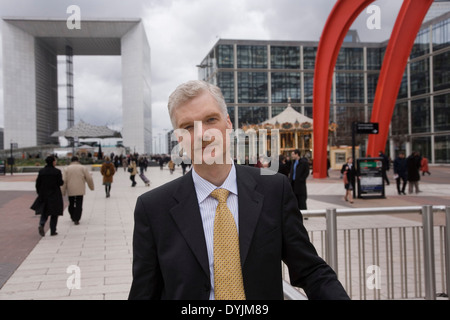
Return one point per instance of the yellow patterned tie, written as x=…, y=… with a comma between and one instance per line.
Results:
x=228, y=283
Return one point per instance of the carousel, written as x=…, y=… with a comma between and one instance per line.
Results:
x=295, y=131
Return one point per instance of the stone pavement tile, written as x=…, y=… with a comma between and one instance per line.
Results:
x=101, y=246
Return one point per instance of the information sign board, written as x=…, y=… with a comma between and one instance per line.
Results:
x=370, y=177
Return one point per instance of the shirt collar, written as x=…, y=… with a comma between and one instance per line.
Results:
x=204, y=188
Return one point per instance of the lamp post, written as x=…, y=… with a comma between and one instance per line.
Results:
x=166, y=147
x=11, y=159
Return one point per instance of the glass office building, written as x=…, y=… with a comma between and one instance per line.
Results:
x=258, y=78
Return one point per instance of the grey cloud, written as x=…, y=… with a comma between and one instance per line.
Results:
x=181, y=33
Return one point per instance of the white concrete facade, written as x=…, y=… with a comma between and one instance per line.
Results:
x=19, y=90
x=29, y=89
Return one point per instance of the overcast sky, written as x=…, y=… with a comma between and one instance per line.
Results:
x=180, y=34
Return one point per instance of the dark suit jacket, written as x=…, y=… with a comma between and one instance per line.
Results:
x=170, y=259
x=301, y=174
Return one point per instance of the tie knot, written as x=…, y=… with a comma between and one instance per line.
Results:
x=220, y=194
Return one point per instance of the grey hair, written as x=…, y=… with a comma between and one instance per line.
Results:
x=190, y=90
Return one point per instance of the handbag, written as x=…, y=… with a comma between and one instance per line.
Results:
x=130, y=169
x=38, y=206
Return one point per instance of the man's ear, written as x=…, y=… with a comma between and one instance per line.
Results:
x=229, y=123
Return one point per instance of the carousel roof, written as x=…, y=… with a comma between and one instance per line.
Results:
x=289, y=115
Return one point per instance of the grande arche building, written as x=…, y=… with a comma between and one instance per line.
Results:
x=30, y=75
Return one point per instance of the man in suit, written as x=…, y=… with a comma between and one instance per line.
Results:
x=173, y=241
x=298, y=175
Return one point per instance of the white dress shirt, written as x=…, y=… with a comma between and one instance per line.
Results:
x=208, y=206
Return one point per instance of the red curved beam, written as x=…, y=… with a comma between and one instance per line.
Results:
x=399, y=47
x=338, y=23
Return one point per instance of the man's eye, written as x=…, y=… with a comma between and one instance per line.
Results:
x=212, y=120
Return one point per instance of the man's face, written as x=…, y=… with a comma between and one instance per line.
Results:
x=295, y=156
x=207, y=144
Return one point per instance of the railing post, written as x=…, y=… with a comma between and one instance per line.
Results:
x=428, y=252
x=331, y=234
x=447, y=248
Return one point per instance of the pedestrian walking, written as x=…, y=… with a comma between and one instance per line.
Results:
x=50, y=199
x=401, y=172
x=171, y=166
x=75, y=177
x=413, y=166
x=142, y=168
x=347, y=185
x=424, y=166
x=117, y=162
x=386, y=166
x=132, y=169
x=108, y=170
x=142, y=164
x=348, y=176
x=125, y=163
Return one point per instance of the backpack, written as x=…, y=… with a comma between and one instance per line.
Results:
x=107, y=173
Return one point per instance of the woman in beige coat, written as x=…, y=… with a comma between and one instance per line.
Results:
x=133, y=171
x=75, y=177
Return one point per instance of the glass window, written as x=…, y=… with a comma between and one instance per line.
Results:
x=442, y=149
x=421, y=44
x=308, y=111
x=349, y=87
x=252, y=87
x=253, y=57
x=285, y=86
x=374, y=58
x=225, y=81
x=422, y=145
x=441, y=71
x=285, y=57
x=350, y=59
x=225, y=56
x=309, y=57
x=420, y=77
x=372, y=81
x=441, y=35
x=403, y=90
x=231, y=114
x=252, y=115
x=399, y=123
x=344, y=118
x=308, y=83
x=420, y=115
x=442, y=112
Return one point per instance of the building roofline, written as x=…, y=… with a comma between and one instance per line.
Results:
x=50, y=19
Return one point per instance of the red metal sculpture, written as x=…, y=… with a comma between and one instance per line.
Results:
x=402, y=38
x=395, y=59
x=339, y=22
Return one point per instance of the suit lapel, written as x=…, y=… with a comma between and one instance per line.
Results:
x=186, y=215
x=250, y=203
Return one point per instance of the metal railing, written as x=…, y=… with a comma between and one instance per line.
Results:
x=404, y=255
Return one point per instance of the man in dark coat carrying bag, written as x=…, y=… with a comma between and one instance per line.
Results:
x=50, y=201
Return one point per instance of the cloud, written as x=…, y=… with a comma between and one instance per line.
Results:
x=181, y=33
